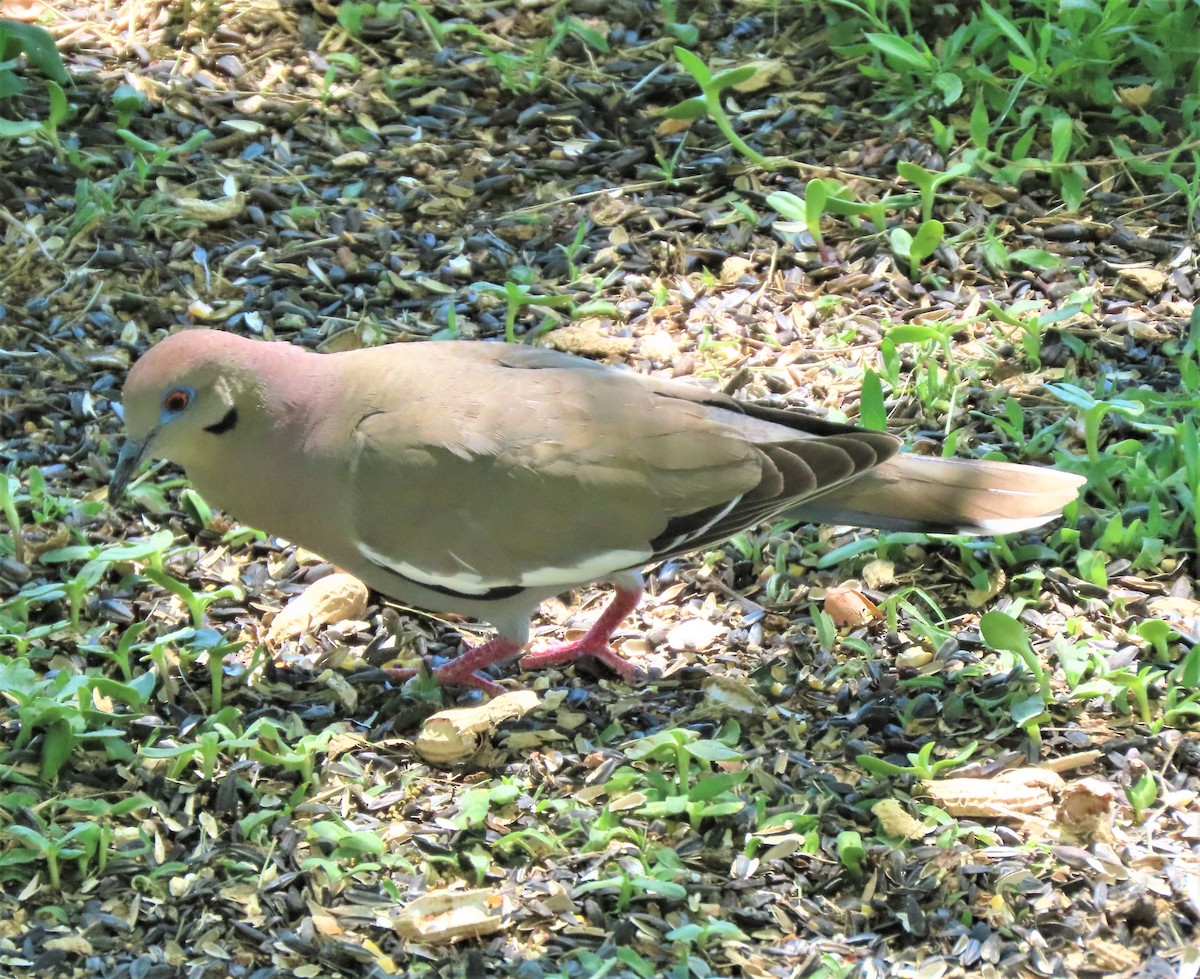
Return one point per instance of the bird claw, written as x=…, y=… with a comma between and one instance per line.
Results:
x=447, y=676
x=465, y=669
x=572, y=651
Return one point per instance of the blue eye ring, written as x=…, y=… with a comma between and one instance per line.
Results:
x=176, y=400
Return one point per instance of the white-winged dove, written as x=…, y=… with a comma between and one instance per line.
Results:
x=482, y=478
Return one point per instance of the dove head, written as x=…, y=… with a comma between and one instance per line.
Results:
x=184, y=398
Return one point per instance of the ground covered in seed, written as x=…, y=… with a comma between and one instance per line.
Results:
x=837, y=773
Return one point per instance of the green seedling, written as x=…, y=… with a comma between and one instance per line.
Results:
x=1133, y=690
x=274, y=747
x=475, y=804
x=79, y=842
x=88, y=842
x=40, y=52
x=9, y=485
x=851, y=851
x=694, y=933
x=221, y=734
x=97, y=560
x=122, y=654
x=998, y=258
x=437, y=31
x=349, y=845
x=1141, y=795
x=572, y=251
x=628, y=887
x=62, y=707
x=826, y=629
x=22, y=636
x=215, y=648
x=17, y=38
x=827, y=195
x=35, y=499
x=197, y=603
x=1004, y=633
x=652, y=873
x=1015, y=427
x=917, y=247
x=1082, y=301
x=350, y=16
x=685, y=33
x=1135, y=540
x=697, y=791
x=606, y=827
x=197, y=507
x=527, y=843
x=450, y=331
x=937, y=386
x=518, y=293
x=150, y=155
x=1138, y=686
x=872, y=413
x=128, y=101
x=920, y=763
x=804, y=832
x=883, y=545
x=44, y=506
x=928, y=182
x=1093, y=411
x=667, y=165
x=708, y=103
x=524, y=70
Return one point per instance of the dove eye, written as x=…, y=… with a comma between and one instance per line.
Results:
x=175, y=401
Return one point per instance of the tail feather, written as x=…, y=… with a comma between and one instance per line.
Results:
x=933, y=495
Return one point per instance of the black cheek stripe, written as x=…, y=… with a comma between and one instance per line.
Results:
x=225, y=424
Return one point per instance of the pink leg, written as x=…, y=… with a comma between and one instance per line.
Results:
x=595, y=643
x=463, y=670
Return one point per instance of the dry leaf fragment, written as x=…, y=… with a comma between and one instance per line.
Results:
x=346, y=694
x=334, y=598
x=996, y=580
x=456, y=734
x=1142, y=281
x=773, y=73
x=1087, y=807
x=1067, y=763
x=48, y=537
x=671, y=127
x=75, y=944
x=734, y=267
x=727, y=695
x=355, y=158
x=694, y=635
x=849, y=607
x=1104, y=958
x=1014, y=793
x=658, y=346
x=895, y=820
x=879, y=573
x=913, y=659
x=1135, y=97
x=446, y=916
x=1181, y=614
x=251, y=127
x=214, y=211
x=1037, y=776
x=588, y=338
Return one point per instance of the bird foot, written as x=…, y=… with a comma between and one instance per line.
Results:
x=597, y=648
x=463, y=670
x=595, y=641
